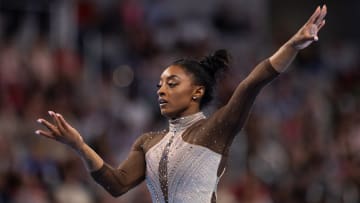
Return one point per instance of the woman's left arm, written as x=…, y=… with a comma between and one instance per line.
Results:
x=307, y=34
x=233, y=115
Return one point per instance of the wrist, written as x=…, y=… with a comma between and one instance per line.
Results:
x=291, y=46
x=80, y=147
x=283, y=57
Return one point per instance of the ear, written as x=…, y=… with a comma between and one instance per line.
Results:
x=199, y=92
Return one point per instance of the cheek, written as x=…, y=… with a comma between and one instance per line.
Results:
x=181, y=97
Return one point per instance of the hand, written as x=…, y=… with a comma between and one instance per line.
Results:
x=309, y=32
x=61, y=131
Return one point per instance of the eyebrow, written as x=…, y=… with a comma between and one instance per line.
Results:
x=172, y=77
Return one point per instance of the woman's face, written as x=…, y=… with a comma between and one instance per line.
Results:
x=176, y=90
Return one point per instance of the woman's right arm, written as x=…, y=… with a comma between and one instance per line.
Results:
x=116, y=181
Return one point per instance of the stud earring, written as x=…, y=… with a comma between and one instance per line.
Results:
x=194, y=98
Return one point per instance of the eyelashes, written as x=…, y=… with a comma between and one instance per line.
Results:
x=171, y=85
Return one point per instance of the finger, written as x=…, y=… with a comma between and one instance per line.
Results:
x=56, y=121
x=324, y=8
x=45, y=134
x=63, y=122
x=321, y=25
x=324, y=11
x=48, y=125
x=53, y=116
x=314, y=15
x=321, y=16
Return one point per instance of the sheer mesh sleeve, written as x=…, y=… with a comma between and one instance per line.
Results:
x=222, y=126
x=130, y=173
x=236, y=111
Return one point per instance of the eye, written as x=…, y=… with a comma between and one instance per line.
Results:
x=171, y=85
x=158, y=85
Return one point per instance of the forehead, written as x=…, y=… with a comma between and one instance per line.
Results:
x=174, y=71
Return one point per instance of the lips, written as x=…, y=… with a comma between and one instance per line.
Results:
x=162, y=102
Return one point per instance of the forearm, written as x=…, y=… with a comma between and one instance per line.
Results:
x=119, y=180
x=305, y=36
x=116, y=181
x=283, y=57
x=235, y=112
x=90, y=158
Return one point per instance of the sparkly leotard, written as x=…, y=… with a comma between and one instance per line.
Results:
x=177, y=171
x=184, y=163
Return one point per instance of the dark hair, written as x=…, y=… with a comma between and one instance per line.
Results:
x=207, y=71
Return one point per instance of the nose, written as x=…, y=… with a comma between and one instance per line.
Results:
x=160, y=91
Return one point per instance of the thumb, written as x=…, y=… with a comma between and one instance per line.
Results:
x=313, y=33
x=313, y=37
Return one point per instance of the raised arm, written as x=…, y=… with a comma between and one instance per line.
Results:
x=306, y=35
x=116, y=181
x=233, y=115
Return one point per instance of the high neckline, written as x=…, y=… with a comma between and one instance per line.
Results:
x=182, y=123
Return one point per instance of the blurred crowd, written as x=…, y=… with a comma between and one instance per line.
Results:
x=98, y=62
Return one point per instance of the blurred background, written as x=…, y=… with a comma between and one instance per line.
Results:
x=98, y=62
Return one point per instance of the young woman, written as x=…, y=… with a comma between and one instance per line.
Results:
x=185, y=163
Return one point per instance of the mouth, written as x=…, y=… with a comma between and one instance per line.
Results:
x=162, y=102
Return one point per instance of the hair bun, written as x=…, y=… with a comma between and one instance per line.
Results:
x=216, y=62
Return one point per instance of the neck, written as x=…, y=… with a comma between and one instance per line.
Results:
x=182, y=123
x=187, y=112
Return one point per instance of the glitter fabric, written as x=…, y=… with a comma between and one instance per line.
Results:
x=181, y=172
x=187, y=167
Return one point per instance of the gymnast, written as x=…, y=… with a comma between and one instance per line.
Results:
x=185, y=163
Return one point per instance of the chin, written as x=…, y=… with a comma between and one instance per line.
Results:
x=168, y=114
